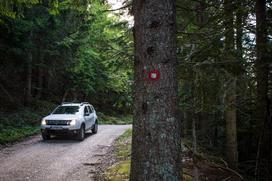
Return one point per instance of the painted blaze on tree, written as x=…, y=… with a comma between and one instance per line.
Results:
x=156, y=128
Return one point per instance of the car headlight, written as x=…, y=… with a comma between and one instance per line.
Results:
x=43, y=122
x=73, y=122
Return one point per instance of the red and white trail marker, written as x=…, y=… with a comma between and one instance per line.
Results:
x=154, y=75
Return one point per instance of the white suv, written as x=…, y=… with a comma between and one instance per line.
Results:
x=70, y=118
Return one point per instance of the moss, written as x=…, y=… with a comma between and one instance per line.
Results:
x=119, y=171
x=187, y=177
x=123, y=145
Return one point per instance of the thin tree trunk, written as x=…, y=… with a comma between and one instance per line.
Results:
x=262, y=69
x=64, y=97
x=6, y=92
x=28, y=93
x=195, y=171
x=156, y=145
x=230, y=112
x=40, y=75
x=185, y=124
x=231, y=132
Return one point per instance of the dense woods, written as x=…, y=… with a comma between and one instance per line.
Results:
x=65, y=51
x=225, y=80
x=219, y=53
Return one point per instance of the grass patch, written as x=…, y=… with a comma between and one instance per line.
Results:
x=106, y=119
x=120, y=171
x=15, y=134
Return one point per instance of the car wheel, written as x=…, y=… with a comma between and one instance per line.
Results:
x=81, y=133
x=95, y=128
x=46, y=136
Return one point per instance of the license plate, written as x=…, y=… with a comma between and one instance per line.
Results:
x=56, y=128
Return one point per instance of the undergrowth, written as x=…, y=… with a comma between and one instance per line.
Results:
x=20, y=122
x=117, y=119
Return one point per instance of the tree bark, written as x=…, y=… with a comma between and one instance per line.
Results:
x=156, y=145
x=262, y=69
x=230, y=112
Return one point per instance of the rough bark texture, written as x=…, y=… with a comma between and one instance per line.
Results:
x=230, y=112
x=263, y=165
x=156, y=142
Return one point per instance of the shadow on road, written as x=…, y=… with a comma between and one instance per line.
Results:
x=65, y=139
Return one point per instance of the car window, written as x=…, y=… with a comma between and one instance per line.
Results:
x=86, y=110
x=91, y=109
x=66, y=110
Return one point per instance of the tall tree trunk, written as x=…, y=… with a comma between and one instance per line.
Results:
x=262, y=70
x=195, y=171
x=28, y=93
x=231, y=132
x=40, y=75
x=230, y=112
x=156, y=145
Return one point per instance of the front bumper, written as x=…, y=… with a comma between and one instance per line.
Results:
x=59, y=131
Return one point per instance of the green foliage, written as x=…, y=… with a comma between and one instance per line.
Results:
x=77, y=49
x=121, y=119
x=11, y=134
x=121, y=169
x=24, y=122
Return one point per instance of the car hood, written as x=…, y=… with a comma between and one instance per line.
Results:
x=61, y=117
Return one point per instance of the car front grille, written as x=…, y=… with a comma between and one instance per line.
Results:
x=57, y=122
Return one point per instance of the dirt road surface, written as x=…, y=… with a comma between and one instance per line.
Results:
x=59, y=158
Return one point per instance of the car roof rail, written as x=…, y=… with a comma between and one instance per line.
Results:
x=66, y=103
x=70, y=103
x=84, y=103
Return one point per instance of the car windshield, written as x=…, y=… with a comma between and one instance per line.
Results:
x=66, y=110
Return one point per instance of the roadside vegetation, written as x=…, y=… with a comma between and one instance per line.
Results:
x=121, y=169
x=210, y=167
x=114, y=119
x=22, y=122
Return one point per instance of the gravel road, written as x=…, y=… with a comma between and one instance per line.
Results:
x=59, y=158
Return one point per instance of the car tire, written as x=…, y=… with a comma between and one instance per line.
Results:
x=81, y=133
x=95, y=127
x=46, y=136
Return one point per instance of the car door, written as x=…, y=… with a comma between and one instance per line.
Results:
x=87, y=117
x=91, y=115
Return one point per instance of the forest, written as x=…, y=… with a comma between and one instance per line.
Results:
x=213, y=58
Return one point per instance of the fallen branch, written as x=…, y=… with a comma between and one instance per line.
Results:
x=226, y=168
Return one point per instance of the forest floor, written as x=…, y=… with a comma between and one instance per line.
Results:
x=115, y=165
